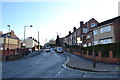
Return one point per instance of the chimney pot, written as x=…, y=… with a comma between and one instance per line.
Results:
x=69, y=32
x=74, y=29
x=81, y=23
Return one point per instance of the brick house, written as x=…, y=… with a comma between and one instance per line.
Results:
x=83, y=32
x=107, y=31
x=87, y=34
x=9, y=41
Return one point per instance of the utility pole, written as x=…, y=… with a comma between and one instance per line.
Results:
x=38, y=42
x=94, y=63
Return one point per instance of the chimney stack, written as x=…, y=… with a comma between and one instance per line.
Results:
x=81, y=23
x=74, y=29
x=12, y=33
x=69, y=32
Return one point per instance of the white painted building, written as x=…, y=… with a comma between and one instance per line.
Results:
x=31, y=43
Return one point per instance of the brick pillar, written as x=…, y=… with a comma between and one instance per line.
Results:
x=110, y=54
x=87, y=53
x=99, y=54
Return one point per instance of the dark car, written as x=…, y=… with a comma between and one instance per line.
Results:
x=47, y=49
x=59, y=50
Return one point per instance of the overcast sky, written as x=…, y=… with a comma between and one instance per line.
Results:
x=52, y=16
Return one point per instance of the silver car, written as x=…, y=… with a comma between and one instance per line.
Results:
x=59, y=50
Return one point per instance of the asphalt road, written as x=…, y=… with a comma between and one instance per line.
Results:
x=46, y=65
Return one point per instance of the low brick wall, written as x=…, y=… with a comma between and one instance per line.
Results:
x=13, y=54
x=96, y=58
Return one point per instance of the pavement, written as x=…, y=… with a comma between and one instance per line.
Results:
x=79, y=63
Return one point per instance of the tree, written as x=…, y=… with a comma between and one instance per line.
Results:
x=58, y=41
x=51, y=41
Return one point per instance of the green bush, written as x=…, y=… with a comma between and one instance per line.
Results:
x=105, y=48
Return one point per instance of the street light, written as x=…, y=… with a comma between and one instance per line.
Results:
x=94, y=63
x=8, y=36
x=25, y=31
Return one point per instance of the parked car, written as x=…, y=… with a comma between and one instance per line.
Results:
x=47, y=49
x=55, y=49
x=59, y=50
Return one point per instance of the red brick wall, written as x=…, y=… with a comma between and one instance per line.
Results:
x=13, y=51
x=97, y=58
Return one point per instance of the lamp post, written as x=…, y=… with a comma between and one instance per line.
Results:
x=8, y=36
x=25, y=31
x=94, y=63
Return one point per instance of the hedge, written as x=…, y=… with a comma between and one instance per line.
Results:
x=105, y=48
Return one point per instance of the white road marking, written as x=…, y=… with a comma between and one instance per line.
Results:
x=59, y=72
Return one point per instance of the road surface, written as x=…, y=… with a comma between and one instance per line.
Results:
x=46, y=65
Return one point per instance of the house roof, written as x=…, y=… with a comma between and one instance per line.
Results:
x=7, y=35
x=108, y=21
x=4, y=35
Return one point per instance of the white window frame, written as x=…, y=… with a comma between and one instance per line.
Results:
x=93, y=24
x=95, y=32
x=89, y=44
x=84, y=30
x=105, y=29
x=85, y=45
x=96, y=42
x=106, y=41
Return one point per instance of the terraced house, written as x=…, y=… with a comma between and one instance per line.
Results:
x=85, y=31
x=107, y=31
x=81, y=33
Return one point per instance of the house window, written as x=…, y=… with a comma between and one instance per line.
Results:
x=85, y=45
x=84, y=30
x=93, y=24
x=96, y=42
x=95, y=32
x=106, y=41
x=105, y=29
x=89, y=44
x=88, y=37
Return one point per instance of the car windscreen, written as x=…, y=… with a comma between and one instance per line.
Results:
x=60, y=49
